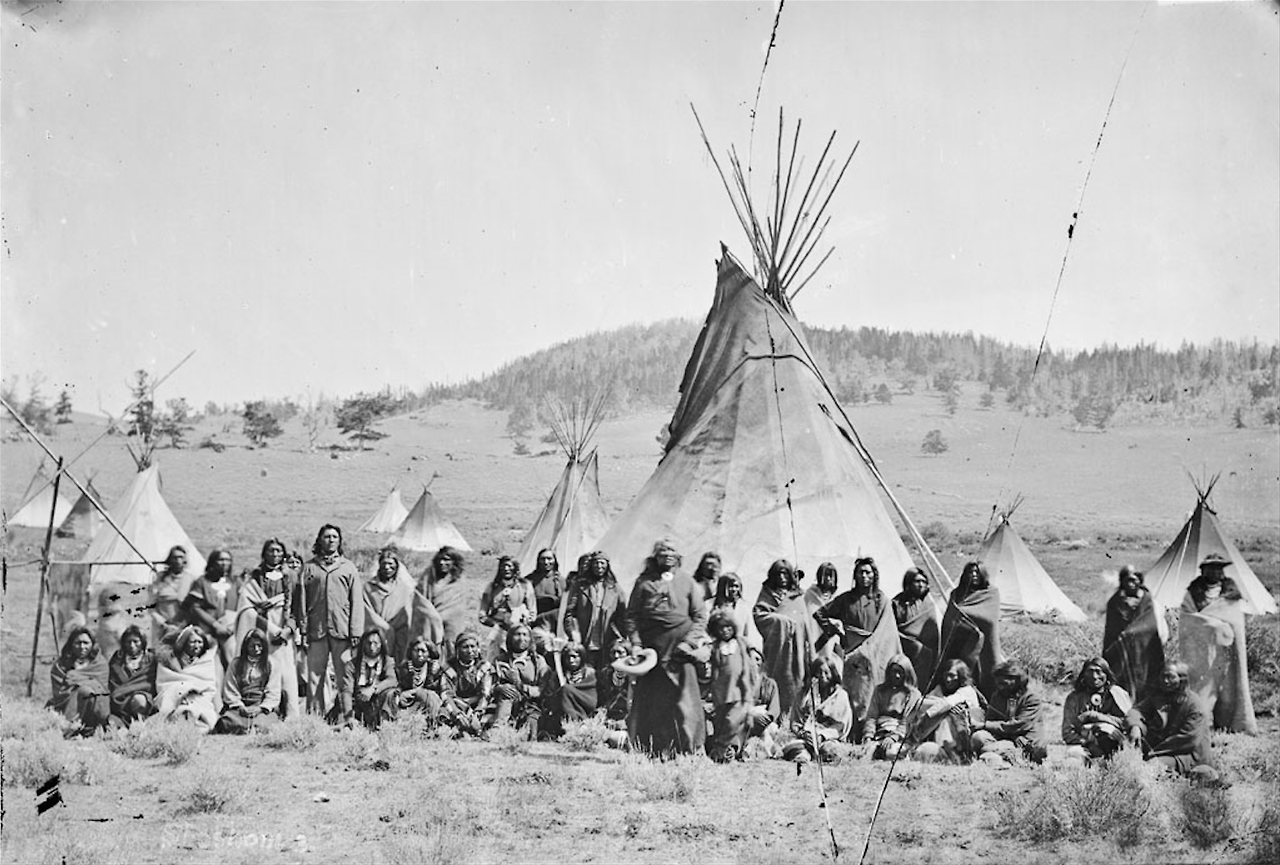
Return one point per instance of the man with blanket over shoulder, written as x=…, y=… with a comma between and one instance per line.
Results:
x=268, y=596
x=1211, y=641
x=918, y=628
x=788, y=630
x=971, y=627
x=1133, y=638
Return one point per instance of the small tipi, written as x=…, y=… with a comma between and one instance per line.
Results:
x=145, y=518
x=574, y=517
x=389, y=517
x=1202, y=534
x=762, y=462
x=37, y=502
x=427, y=529
x=1025, y=586
x=84, y=521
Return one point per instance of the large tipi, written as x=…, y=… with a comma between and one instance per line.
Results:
x=37, y=502
x=389, y=517
x=1025, y=586
x=1201, y=535
x=762, y=462
x=574, y=517
x=145, y=518
x=427, y=529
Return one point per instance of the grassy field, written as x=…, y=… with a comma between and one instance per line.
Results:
x=1093, y=501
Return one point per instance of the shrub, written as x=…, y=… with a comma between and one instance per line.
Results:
x=1206, y=814
x=1054, y=653
x=938, y=535
x=213, y=791
x=25, y=719
x=670, y=781
x=296, y=733
x=406, y=731
x=1266, y=837
x=152, y=739
x=1262, y=643
x=440, y=846
x=354, y=747
x=31, y=762
x=1112, y=800
x=510, y=739
x=587, y=735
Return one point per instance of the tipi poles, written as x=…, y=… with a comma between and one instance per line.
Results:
x=92, y=500
x=44, y=580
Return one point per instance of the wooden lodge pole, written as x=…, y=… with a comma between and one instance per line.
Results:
x=44, y=580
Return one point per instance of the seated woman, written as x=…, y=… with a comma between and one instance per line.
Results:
x=568, y=693
x=518, y=680
x=186, y=678
x=250, y=688
x=1172, y=727
x=734, y=680
x=419, y=679
x=1093, y=715
x=613, y=687
x=375, y=695
x=892, y=702
x=80, y=689
x=132, y=677
x=466, y=688
x=1015, y=718
x=816, y=731
x=729, y=598
x=939, y=728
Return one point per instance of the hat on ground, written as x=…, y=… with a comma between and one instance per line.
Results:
x=647, y=660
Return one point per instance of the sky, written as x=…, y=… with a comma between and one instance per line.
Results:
x=333, y=197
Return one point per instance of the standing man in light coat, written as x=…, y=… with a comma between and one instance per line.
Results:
x=332, y=613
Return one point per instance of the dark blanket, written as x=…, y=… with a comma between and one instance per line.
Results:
x=667, y=615
x=971, y=633
x=1173, y=725
x=1131, y=643
x=81, y=693
x=918, y=631
x=573, y=699
x=125, y=684
x=789, y=633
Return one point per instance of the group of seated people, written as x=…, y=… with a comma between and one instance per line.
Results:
x=682, y=663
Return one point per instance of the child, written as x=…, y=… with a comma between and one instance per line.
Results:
x=732, y=688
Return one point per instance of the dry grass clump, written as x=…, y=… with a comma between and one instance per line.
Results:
x=213, y=791
x=355, y=747
x=1114, y=800
x=25, y=719
x=1051, y=653
x=405, y=732
x=1262, y=645
x=1207, y=814
x=439, y=846
x=296, y=733
x=174, y=743
x=31, y=762
x=664, y=781
x=1266, y=836
x=587, y=735
x=510, y=739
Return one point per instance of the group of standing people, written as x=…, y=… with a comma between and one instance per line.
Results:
x=681, y=664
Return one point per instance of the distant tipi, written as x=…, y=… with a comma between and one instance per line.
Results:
x=1201, y=535
x=37, y=502
x=1025, y=586
x=574, y=517
x=389, y=517
x=84, y=520
x=762, y=462
x=427, y=529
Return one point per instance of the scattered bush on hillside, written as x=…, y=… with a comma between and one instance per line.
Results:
x=356, y=416
x=934, y=443
x=938, y=535
x=260, y=425
x=1262, y=643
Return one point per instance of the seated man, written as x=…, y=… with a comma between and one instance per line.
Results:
x=466, y=688
x=1093, y=715
x=1015, y=718
x=1172, y=727
x=765, y=709
x=892, y=702
x=419, y=679
x=520, y=672
x=568, y=693
x=940, y=726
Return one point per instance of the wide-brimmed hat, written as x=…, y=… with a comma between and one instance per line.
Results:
x=648, y=659
x=1214, y=560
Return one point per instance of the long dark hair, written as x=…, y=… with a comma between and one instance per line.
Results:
x=213, y=557
x=454, y=555
x=782, y=575
x=315, y=546
x=609, y=578
x=132, y=631
x=260, y=671
x=1094, y=664
x=722, y=588
x=65, y=656
x=875, y=574
x=537, y=564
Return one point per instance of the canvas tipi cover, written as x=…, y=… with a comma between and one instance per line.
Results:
x=427, y=529
x=1169, y=577
x=38, y=501
x=389, y=516
x=573, y=519
x=84, y=521
x=761, y=463
x=1025, y=586
x=145, y=518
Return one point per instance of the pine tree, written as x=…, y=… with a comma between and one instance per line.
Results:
x=62, y=410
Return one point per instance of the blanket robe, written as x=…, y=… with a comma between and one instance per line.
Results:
x=1133, y=642
x=918, y=631
x=450, y=599
x=518, y=688
x=268, y=603
x=734, y=682
x=572, y=699
x=888, y=711
x=187, y=690
x=1020, y=719
x=971, y=633
x=205, y=607
x=869, y=640
x=504, y=606
x=934, y=720
x=81, y=694
x=126, y=684
x=789, y=635
x=832, y=722
x=241, y=690
x=420, y=686
x=1211, y=642
x=1174, y=726
x=389, y=607
x=466, y=695
x=666, y=714
x=375, y=697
